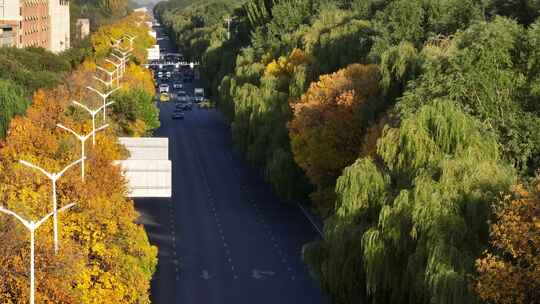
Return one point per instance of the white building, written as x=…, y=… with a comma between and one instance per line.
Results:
x=10, y=19
x=153, y=53
x=83, y=28
x=60, y=31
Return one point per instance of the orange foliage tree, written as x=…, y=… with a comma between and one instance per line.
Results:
x=105, y=257
x=328, y=124
x=509, y=272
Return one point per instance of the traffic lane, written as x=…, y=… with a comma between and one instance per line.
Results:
x=286, y=224
x=155, y=216
x=250, y=249
x=199, y=245
x=254, y=231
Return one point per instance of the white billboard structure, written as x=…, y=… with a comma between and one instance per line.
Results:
x=153, y=52
x=148, y=169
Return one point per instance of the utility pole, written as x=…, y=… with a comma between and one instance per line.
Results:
x=228, y=19
x=53, y=177
x=82, y=139
x=93, y=113
x=32, y=226
x=104, y=96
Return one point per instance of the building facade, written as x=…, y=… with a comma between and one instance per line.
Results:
x=35, y=26
x=35, y=23
x=9, y=22
x=60, y=33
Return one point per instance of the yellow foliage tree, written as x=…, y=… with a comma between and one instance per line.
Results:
x=509, y=272
x=105, y=257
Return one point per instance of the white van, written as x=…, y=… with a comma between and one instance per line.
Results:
x=163, y=88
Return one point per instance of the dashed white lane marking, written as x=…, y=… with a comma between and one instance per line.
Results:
x=225, y=244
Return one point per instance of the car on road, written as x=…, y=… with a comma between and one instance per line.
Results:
x=177, y=85
x=178, y=115
x=164, y=97
x=164, y=88
x=198, y=94
x=181, y=96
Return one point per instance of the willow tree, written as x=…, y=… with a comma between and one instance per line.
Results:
x=409, y=226
x=12, y=102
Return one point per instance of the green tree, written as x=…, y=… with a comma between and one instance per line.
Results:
x=12, y=102
x=409, y=226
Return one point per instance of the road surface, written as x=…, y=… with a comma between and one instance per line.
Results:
x=224, y=236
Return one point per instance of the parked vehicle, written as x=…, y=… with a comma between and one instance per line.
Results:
x=177, y=85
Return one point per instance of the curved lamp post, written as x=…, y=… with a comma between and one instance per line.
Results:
x=32, y=226
x=103, y=96
x=83, y=139
x=117, y=70
x=53, y=177
x=93, y=113
x=109, y=83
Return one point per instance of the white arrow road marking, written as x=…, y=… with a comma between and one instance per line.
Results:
x=206, y=275
x=259, y=274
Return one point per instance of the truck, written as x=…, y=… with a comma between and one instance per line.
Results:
x=198, y=94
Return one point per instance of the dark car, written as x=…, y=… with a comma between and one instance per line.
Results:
x=178, y=115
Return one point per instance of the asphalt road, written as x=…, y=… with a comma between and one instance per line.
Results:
x=224, y=236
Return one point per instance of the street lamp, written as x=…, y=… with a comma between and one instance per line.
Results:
x=93, y=113
x=32, y=226
x=117, y=66
x=104, y=97
x=125, y=54
x=53, y=177
x=83, y=139
x=131, y=39
x=109, y=83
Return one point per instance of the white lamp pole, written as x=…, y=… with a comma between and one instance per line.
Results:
x=93, y=113
x=228, y=19
x=104, y=96
x=53, y=177
x=117, y=66
x=131, y=39
x=83, y=139
x=109, y=83
x=32, y=226
x=120, y=65
x=125, y=54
